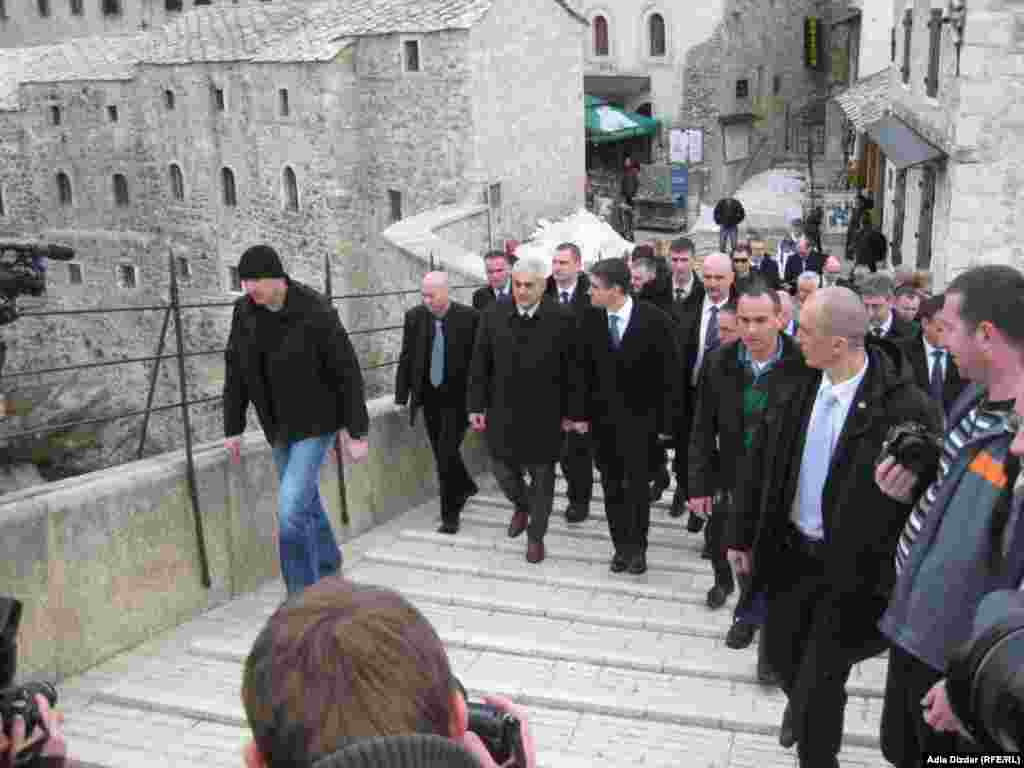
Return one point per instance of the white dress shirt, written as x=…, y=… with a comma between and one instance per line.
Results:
x=929, y=350
x=809, y=521
x=686, y=289
x=624, y=313
x=705, y=318
x=571, y=291
x=530, y=312
x=885, y=326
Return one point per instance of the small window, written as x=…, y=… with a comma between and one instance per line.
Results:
x=169, y=99
x=395, y=200
x=892, y=44
x=218, y=99
x=742, y=88
x=112, y=113
x=776, y=84
x=934, y=50
x=3, y=9
x=75, y=274
x=172, y=5
x=183, y=268
x=111, y=7
x=63, y=188
x=120, y=190
x=656, y=30
x=291, y=190
x=177, y=182
x=234, y=281
x=44, y=7
x=282, y=102
x=412, y=55
x=127, y=276
x=227, y=183
x=494, y=195
x=55, y=116
x=600, y=36
x=2, y=212
x=201, y=2
x=76, y=7
x=908, y=28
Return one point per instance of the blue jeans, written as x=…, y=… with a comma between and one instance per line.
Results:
x=727, y=239
x=308, y=548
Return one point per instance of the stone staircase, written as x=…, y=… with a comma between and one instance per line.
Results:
x=616, y=670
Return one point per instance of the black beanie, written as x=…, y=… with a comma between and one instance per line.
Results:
x=258, y=262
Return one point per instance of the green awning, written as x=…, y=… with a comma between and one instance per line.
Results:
x=605, y=123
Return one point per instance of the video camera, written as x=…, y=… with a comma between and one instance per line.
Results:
x=23, y=273
x=19, y=700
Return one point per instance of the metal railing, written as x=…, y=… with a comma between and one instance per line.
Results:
x=174, y=309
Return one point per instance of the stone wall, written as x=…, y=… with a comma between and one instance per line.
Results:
x=24, y=25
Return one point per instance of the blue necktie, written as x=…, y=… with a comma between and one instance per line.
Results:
x=613, y=326
x=711, y=338
x=565, y=297
x=817, y=457
x=935, y=384
x=437, y=355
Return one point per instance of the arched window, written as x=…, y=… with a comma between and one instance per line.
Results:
x=656, y=31
x=227, y=183
x=291, y=190
x=63, y=188
x=177, y=182
x=120, y=190
x=600, y=36
x=44, y=7
x=111, y=7
x=76, y=7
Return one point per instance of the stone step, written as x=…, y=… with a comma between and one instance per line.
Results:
x=480, y=510
x=561, y=488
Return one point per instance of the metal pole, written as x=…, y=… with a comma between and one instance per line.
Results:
x=190, y=469
x=342, y=493
x=152, y=379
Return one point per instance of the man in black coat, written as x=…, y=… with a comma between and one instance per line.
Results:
x=525, y=389
x=872, y=248
x=878, y=293
x=289, y=356
x=433, y=367
x=935, y=370
x=499, y=285
x=569, y=286
x=804, y=260
x=728, y=215
x=813, y=525
x=632, y=382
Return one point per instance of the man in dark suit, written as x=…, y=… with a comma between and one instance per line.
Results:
x=433, y=368
x=499, y=286
x=632, y=377
x=569, y=286
x=524, y=390
x=802, y=522
x=765, y=266
x=935, y=371
x=804, y=260
x=878, y=294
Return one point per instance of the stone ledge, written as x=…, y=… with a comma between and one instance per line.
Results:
x=417, y=236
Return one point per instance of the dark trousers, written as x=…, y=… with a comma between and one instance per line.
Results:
x=751, y=606
x=625, y=472
x=577, y=463
x=802, y=649
x=905, y=734
x=714, y=534
x=657, y=457
x=446, y=424
x=535, y=499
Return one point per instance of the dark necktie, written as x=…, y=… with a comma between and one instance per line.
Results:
x=680, y=294
x=565, y=297
x=711, y=338
x=877, y=331
x=437, y=355
x=613, y=327
x=935, y=384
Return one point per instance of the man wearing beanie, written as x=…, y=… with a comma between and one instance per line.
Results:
x=289, y=356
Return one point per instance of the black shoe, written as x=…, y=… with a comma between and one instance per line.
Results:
x=678, y=503
x=638, y=565
x=740, y=635
x=618, y=564
x=576, y=513
x=786, y=736
x=661, y=482
x=717, y=596
x=449, y=528
x=765, y=675
x=694, y=523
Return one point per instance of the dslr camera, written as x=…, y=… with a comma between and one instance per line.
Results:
x=913, y=446
x=19, y=700
x=500, y=731
x=23, y=273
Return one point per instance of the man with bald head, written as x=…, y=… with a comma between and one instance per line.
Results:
x=433, y=371
x=813, y=528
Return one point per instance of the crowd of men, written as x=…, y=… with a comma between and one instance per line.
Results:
x=777, y=383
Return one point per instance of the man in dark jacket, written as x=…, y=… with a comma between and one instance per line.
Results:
x=524, y=391
x=804, y=260
x=437, y=346
x=569, y=286
x=736, y=384
x=499, y=286
x=289, y=356
x=632, y=377
x=872, y=248
x=878, y=294
x=728, y=215
x=935, y=370
x=813, y=524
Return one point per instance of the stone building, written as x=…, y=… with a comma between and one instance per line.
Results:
x=312, y=127
x=939, y=134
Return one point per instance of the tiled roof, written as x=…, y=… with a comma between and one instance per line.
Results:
x=865, y=101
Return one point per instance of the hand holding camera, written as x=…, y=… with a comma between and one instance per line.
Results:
x=499, y=735
x=910, y=452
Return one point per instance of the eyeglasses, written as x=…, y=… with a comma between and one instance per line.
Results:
x=741, y=261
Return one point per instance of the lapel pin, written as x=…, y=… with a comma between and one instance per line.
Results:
x=862, y=405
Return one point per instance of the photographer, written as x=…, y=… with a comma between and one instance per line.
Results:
x=54, y=749
x=351, y=674
x=958, y=544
